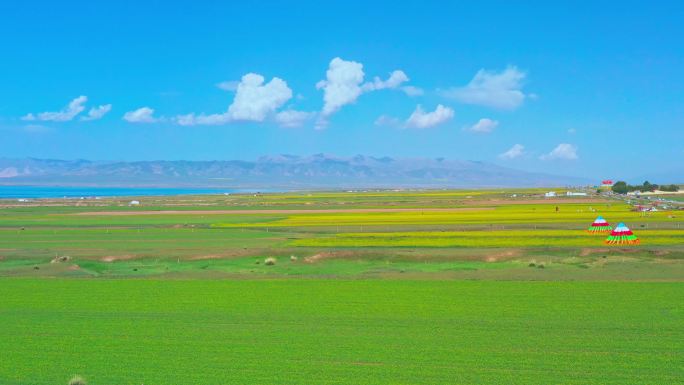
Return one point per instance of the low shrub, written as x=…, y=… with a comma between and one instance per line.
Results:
x=270, y=261
x=77, y=380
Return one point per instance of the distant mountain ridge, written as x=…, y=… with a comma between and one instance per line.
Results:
x=279, y=171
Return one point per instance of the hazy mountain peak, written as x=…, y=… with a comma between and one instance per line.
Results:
x=277, y=171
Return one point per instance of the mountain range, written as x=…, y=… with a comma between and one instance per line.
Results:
x=277, y=172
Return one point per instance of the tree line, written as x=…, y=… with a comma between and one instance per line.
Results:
x=622, y=187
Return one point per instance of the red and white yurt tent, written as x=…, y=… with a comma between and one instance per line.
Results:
x=622, y=235
x=600, y=225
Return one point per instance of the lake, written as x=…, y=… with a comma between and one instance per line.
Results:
x=33, y=192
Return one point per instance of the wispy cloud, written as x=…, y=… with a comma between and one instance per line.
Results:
x=422, y=119
x=98, y=112
x=483, y=126
x=502, y=90
x=385, y=120
x=514, y=152
x=563, y=151
x=412, y=90
x=141, y=115
x=293, y=118
x=395, y=80
x=74, y=108
x=228, y=85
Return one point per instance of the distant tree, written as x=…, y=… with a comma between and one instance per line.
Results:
x=647, y=186
x=620, y=187
x=670, y=188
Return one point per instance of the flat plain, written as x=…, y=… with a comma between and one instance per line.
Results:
x=377, y=287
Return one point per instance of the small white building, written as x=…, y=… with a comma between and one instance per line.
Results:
x=550, y=194
x=134, y=203
x=575, y=194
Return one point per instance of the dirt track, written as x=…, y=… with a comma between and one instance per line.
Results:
x=294, y=211
x=540, y=201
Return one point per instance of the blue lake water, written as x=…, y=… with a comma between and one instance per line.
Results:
x=33, y=192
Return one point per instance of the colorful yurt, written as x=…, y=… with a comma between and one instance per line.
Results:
x=600, y=225
x=622, y=235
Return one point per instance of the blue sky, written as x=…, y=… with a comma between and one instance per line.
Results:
x=575, y=88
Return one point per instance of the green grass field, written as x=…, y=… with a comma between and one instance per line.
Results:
x=359, y=234
x=474, y=287
x=340, y=332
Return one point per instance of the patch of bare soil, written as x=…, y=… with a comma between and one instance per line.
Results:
x=317, y=257
x=203, y=257
x=503, y=255
x=74, y=267
x=328, y=255
x=589, y=251
x=112, y=258
x=60, y=259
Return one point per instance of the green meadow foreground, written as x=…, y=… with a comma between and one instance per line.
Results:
x=340, y=332
x=481, y=287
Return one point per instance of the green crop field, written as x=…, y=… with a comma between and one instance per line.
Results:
x=490, y=238
x=379, y=287
x=335, y=234
x=340, y=332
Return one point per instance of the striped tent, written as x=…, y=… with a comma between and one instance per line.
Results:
x=600, y=226
x=622, y=235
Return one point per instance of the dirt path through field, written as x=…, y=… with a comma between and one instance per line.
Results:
x=540, y=201
x=292, y=211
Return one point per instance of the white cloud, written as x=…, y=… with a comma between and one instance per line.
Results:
x=395, y=79
x=9, y=172
x=488, y=88
x=74, y=108
x=421, y=119
x=202, y=119
x=563, y=151
x=342, y=85
x=98, y=112
x=514, y=152
x=228, y=85
x=141, y=115
x=255, y=100
x=412, y=91
x=483, y=126
x=292, y=118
